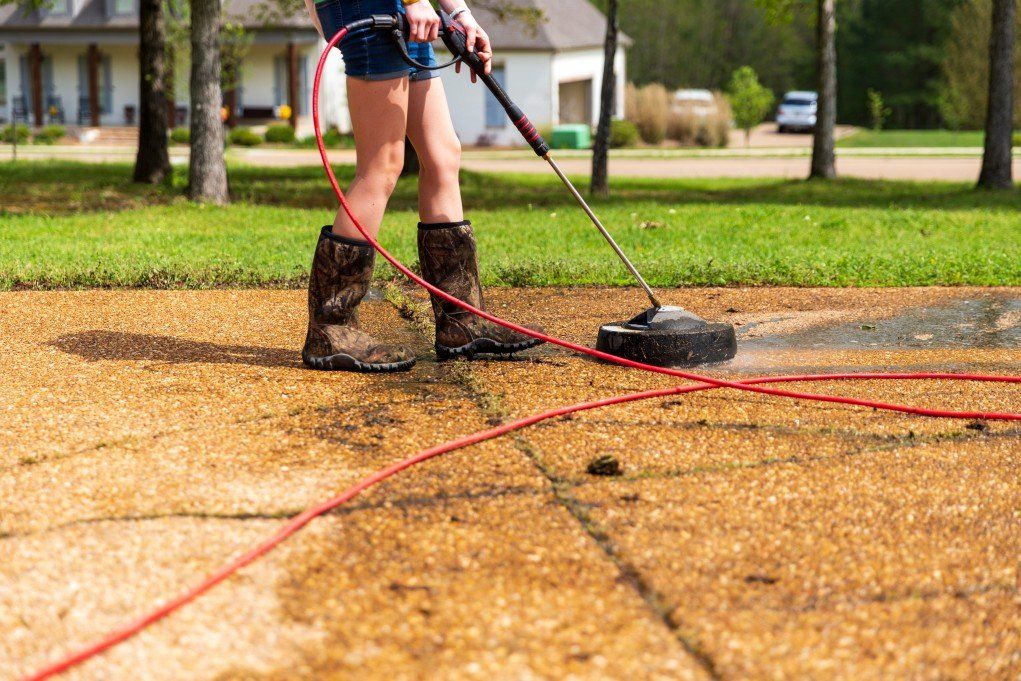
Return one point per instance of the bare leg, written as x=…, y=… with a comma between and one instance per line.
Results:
x=432, y=133
x=379, y=116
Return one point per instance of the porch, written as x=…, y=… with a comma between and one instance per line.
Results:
x=93, y=85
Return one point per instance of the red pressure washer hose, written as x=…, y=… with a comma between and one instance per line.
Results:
x=703, y=383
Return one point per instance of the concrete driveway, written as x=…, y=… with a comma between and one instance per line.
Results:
x=961, y=165
x=148, y=436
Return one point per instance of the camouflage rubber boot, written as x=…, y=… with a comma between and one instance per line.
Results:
x=447, y=254
x=341, y=272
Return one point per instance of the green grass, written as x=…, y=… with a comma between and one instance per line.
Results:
x=914, y=138
x=71, y=225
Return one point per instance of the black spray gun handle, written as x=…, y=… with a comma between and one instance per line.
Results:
x=398, y=26
x=456, y=40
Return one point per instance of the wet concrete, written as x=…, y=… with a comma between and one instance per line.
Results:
x=989, y=321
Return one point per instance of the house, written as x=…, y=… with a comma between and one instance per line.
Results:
x=552, y=68
x=76, y=63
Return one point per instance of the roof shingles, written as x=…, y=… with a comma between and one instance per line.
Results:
x=562, y=24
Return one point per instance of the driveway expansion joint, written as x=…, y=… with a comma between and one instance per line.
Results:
x=493, y=408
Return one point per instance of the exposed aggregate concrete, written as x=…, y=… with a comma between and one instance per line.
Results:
x=149, y=436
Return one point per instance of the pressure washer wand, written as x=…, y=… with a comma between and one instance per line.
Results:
x=602, y=230
x=453, y=35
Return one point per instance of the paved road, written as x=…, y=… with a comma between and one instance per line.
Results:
x=746, y=538
x=899, y=164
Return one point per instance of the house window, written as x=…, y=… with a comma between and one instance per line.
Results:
x=281, y=78
x=3, y=83
x=60, y=8
x=45, y=71
x=496, y=117
x=123, y=7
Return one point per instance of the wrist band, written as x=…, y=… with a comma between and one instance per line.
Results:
x=458, y=12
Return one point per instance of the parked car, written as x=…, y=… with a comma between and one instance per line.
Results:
x=701, y=103
x=797, y=112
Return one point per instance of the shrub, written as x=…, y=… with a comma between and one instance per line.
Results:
x=649, y=109
x=683, y=126
x=333, y=138
x=623, y=134
x=1017, y=139
x=49, y=134
x=723, y=122
x=692, y=129
x=280, y=134
x=244, y=137
x=9, y=131
x=181, y=135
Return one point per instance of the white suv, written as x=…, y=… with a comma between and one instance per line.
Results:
x=797, y=111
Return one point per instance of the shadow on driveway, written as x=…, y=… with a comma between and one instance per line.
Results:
x=97, y=345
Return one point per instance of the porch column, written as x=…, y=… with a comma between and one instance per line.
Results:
x=292, y=82
x=35, y=82
x=92, y=59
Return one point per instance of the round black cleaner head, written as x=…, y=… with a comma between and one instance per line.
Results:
x=669, y=336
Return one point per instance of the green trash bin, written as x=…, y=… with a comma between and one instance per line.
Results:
x=572, y=137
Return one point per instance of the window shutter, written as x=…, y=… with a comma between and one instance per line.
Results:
x=26, y=90
x=106, y=85
x=83, y=77
x=495, y=116
x=47, y=74
x=279, y=78
x=304, y=98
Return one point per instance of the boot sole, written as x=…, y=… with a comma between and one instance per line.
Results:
x=484, y=346
x=344, y=362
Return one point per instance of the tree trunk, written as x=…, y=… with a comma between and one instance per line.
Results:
x=152, y=163
x=997, y=162
x=601, y=150
x=824, y=161
x=207, y=172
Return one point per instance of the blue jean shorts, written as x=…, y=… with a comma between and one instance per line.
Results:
x=372, y=55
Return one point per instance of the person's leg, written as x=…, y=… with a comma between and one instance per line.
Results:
x=379, y=115
x=343, y=262
x=446, y=241
x=439, y=151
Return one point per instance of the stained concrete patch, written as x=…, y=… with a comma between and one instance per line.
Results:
x=149, y=436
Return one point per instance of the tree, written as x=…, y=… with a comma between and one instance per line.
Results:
x=964, y=91
x=601, y=150
x=207, y=171
x=824, y=156
x=896, y=47
x=878, y=110
x=749, y=99
x=152, y=161
x=997, y=161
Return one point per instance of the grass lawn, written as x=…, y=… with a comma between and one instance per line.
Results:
x=914, y=138
x=78, y=225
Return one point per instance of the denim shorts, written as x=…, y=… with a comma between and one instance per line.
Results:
x=372, y=55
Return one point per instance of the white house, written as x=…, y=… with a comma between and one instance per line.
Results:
x=77, y=63
x=552, y=69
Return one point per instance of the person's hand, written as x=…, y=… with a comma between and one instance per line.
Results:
x=423, y=21
x=478, y=40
